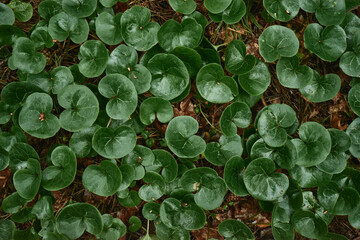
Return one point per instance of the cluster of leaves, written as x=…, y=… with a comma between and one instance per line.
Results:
x=106, y=119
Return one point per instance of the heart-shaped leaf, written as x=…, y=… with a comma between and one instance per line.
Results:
x=75, y=218
x=328, y=44
x=15, y=93
x=291, y=74
x=173, y=34
x=155, y=188
x=7, y=16
x=321, y=88
x=234, y=176
x=169, y=76
x=237, y=114
x=353, y=131
x=236, y=60
x=315, y=144
x=350, y=26
x=308, y=225
x=81, y=141
x=81, y=107
x=108, y=28
x=283, y=10
x=184, y=7
x=131, y=200
x=79, y=8
x=214, y=86
x=7, y=227
x=49, y=8
x=27, y=180
x=210, y=188
x=63, y=25
x=93, y=57
x=23, y=10
x=164, y=232
x=354, y=219
x=310, y=203
x=137, y=30
x=41, y=38
x=257, y=80
x=234, y=229
x=234, y=12
x=151, y=211
x=134, y=224
x=19, y=153
x=13, y=203
x=163, y=159
x=103, y=180
x=349, y=63
x=272, y=123
x=60, y=77
x=122, y=94
x=114, y=143
x=277, y=41
x=190, y=58
x=308, y=177
x=114, y=228
x=139, y=157
x=155, y=107
x=62, y=171
x=181, y=139
x=354, y=99
x=215, y=6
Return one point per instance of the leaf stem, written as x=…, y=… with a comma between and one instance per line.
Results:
x=207, y=120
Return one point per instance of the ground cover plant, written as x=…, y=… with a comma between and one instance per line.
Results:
x=234, y=119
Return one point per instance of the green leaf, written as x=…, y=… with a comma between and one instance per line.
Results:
x=9, y=34
x=139, y=157
x=122, y=94
x=354, y=219
x=234, y=12
x=328, y=44
x=261, y=181
x=27, y=180
x=151, y=211
x=349, y=63
x=41, y=38
x=219, y=153
x=338, y=201
x=137, y=30
x=234, y=176
x=75, y=218
x=201, y=19
x=4, y=159
x=308, y=225
x=43, y=208
x=25, y=57
x=15, y=93
x=277, y=41
x=283, y=10
x=155, y=107
x=103, y=180
x=164, y=232
x=237, y=114
x=93, y=57
x=165, y=160
x=79, y=8
x=63, y=25
x=214, y=86
x=354, y=99
x=49, y=8
x=181, y=139
x=215, y=6
x=291, y=74
x=134, y=223
x=60, y=78
x=169, y=76
x=36, y=118
x=234, y=229
x=181, y=6
x=155, y=188
x=23, y=10
x=114, y=143
x=236, y=60
x=174, y=214
x=210, y=188
x=108, y=28
x=190, y=58
x=7, y=228
x=257, y=80
x=7, y=16
x=81, y=107
x=62, y=171
x=13, y=203
x=131, y=200
x=108, y=3
x=19, y=154
x=353, y=131
x=308, y=177
x=81, y=141
x=173, y=34
x=350, y=26
x=315, y=144
x=114, y=228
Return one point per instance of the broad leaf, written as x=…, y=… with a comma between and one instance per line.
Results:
x=163, y=159
x=308, y=177
x=79, y=8
x=23, y=10
x=155, y=188
x=155, y=107
x=108, y=28
x=93, y=57
x=81, y=141
x=353, y=131
x=233, y=229
x=283, y=10
x=236, y=60
x=184, y=7
x=19, y=154
x=49, y=8
x=234, y=176
x=215, y=6
x=190, y=58
x=7, y=16
x=27, y=180
x=308, y=225
x=237, y=114
x=139, y=157
x=7, y=227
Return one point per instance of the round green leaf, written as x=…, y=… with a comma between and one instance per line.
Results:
x=310, y=176
x=62, y=171
x=114, y=228
x=169, y=76
x=108, y=3
x=234, y=176
x=140, y=156
x=7, y=16
x=354, y=99
x=291, y=74
x=237, y=114
x=19, y=153
x=350, y=62
x=283, y=10
x=27, y=180
x=75, y=218
x=190, y=58
x=257, y=80
x=277, y=41
x=35, y=117
x=351, y=27
x=41, y=38
x=234, y=12
x=315, y=145
x=215, y=6
x=330, y=12
x=131, y=200
x=181, y=6
x=155, y=188
x=328, y=44
x=93, y=57
x=164, y=232
x=4, y=159
x=62, y=26
x=306, y=223
x=201, y=19
x=7, y=228
x=353, y=131
x=210, y=188
x=114, y=143
x=49, y=8
x=134, y=223
x=214, y=86
x=236, y=60
x=181, y=139
x=79, y=8
x=151, y=211
x=9, y=34
x=137, y=30
x=23, y=10
x=354, y=219
x=13, y=203
x=81, y=107
x=236, y=230
x=167, y=161
x=280, y=221
x=108, y=28
x=122, y=94
x=155, y=107
x=81, y=141
x=15, y=93
x=103, y=180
